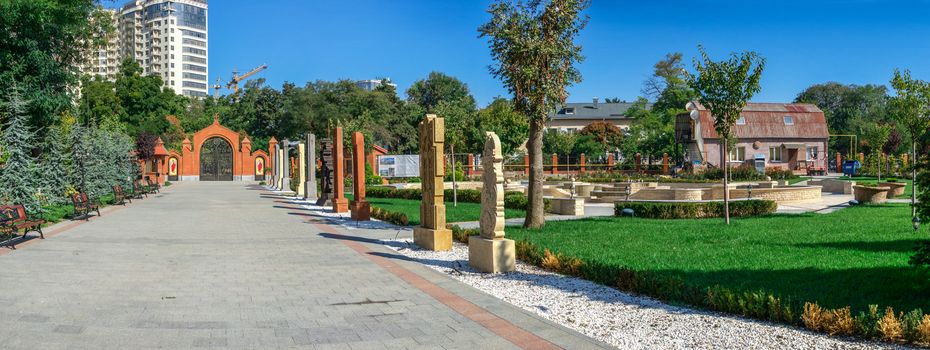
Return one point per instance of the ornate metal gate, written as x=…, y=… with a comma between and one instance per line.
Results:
x=216, y=160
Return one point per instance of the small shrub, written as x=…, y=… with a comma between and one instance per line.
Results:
x=461, y=235
x=921, y=257
x=923, y=330
x=777, y=173
x=841, y=322
x=395, y=218
x=814, y=317
x=910, y=322
x=867, y=323
x=890, y=327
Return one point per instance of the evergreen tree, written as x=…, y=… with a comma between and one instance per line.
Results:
x=17, y=182
x=80, y=153
x=53, y=168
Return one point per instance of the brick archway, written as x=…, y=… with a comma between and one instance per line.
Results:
x=243, y=159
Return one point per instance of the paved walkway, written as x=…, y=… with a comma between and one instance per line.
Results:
x=223, y=265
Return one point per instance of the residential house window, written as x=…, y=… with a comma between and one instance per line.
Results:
x=812, y=152
x=741, y=121
x=570, y=111
x=775, y=154
x=789, y=120
x=738, y=154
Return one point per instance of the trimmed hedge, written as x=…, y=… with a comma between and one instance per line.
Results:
x=696, y=210
x=512, y=200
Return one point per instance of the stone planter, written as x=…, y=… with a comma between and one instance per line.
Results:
x=868, y=194
x=897, y=188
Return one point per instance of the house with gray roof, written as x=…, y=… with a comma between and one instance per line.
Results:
x=572, y=117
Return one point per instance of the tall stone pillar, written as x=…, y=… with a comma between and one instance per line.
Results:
x=637, y=162
x=491, y=252
x=470, y=169
x=582, y=163
x=272, y=154
x=555, y=163
x=361, y=209
x=285, y=163
x=282, y=167
x=310, y=186
x=326, y=173
x=301, y=169
x=340, y=203
x=432, y=233
x=610, y=162
x=839, y=162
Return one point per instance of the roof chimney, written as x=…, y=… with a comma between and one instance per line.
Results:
x=595, y=102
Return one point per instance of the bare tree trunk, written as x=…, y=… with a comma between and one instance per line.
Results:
x=535, y=215
x=914, y=180
x=455, y=187
x=726, y=182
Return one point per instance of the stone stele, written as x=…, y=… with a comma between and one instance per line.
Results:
x=301, y=169
x=432, y=233
x=491, y=252
x=340, y=203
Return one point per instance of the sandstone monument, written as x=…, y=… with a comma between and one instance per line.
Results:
x=361, y=209
x=340, y=203
x=491, y=252
x=301, y=169
x=432, y=233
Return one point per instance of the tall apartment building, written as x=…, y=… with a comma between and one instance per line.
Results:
x=372, y=84
x=105, y=59
x=167, y=37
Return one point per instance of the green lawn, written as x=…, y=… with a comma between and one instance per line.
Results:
x=907, y=180
x=461, y=213
x=798, y=179
x=856, y=256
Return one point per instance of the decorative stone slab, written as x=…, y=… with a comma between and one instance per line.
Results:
x=340, y=203
x=361, y=209
x=491, y=252
x=432, y=233
x=326, y=173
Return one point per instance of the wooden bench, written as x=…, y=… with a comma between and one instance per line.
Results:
x=138, y=190
x=120, y=197
x=14, y=218
x=153, y=187
x=83, y=206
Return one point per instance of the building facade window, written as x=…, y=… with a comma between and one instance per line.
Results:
x=775, y=154
x=789, y=120
x=195, y=68
x=188, y=58
x=196, y=85
x=813, y=152
x=738, y=154
x=741, y=121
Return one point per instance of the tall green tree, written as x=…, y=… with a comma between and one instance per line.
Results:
x=99, y=101
x=847, y=108
x=145, y=101
x=534, y=48
x=724, y=87
x=42, y=43
x=911, y=107
x=877, y=135
x=501, y=118
x=438, y=87
x=17, y=177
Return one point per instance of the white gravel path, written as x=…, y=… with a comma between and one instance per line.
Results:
x=623, y=320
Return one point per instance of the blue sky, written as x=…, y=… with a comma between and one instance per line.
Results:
x=805, y=42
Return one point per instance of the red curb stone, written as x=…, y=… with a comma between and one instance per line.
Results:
x=503, y=328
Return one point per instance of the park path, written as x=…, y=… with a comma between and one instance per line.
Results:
x=228, y=265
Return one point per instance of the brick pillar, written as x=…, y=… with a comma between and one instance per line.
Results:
x=862, y=158
x=273, y=159
x=187, y=160
x=470, y=167
x=610, y=162
x=665, y=163
x=526, y=164
x=555, y=163
x=361, y=209
x=839, y=164
x=636, y=162
x=581, y=161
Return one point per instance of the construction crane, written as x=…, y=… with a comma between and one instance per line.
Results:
x=216, y=88
x=236, y=78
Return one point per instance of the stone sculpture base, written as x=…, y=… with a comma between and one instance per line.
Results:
x=491, y=255
x=432, y=239
x=361, y=210
x=340, y=205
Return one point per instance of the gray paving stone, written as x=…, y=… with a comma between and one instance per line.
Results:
x=217, y=265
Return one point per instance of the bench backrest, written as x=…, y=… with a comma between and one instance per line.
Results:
x=79, y=199
x=14, y=213
x=118, y=190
